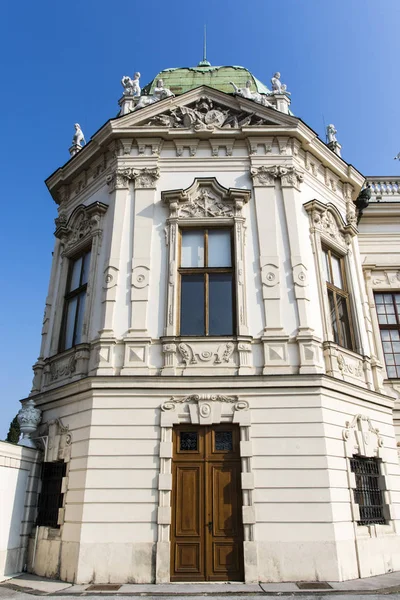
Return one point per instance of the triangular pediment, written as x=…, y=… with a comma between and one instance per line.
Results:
x=203, y=109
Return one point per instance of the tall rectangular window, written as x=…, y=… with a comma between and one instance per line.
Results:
x=367, y=493
x=75, y=299
x=388, y=309
x=51, y=498
x=339, y=299
x=206, y=282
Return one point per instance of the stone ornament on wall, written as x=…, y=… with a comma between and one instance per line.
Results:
x=362, y=438
x=143, y=178
x=329, y=223
x=266, y=175
x=206, y=198
x=192, y=357
x=82, y=225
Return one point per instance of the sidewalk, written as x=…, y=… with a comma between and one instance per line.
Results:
x=384, y=584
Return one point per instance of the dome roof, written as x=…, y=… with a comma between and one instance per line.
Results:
x=181, y=80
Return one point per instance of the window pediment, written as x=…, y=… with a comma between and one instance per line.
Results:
x=327, y=220
x=205, y=199
x=77, y=230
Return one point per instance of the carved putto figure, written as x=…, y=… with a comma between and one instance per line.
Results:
x=277, y=86
x=247, y=93
x=79, y=138
x=131, y=86
x=331, y=133
x=159, y=93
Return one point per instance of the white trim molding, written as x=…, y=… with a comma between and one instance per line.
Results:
x=206, y=203
x=204, y=409
x=327, y=227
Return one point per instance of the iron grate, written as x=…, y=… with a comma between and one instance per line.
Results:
x=105, y=587
x=313, y=585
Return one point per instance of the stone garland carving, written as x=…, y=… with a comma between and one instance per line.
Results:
x=29, y=418
x=171, y=404
x=346, y=367
x=205, y=115
x=192, y=357
x=63, y=368
x=120, y=178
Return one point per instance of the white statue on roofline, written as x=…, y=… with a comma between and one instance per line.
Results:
x=277, y=86
x=159, y=93
x=131, y=86
x=247, y=93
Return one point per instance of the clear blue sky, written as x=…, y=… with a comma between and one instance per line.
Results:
x=62, y=61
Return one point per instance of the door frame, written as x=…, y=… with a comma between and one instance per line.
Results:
x=204, y=409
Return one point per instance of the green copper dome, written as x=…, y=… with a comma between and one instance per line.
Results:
x=181, y=80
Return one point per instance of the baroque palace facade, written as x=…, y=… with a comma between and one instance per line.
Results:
x=219, y=373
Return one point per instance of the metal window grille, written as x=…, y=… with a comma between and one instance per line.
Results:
x=367, y=494
x=51, y=498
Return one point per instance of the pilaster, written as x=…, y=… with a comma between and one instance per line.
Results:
x=137, y=340
x=275, y=338
x=309, y=345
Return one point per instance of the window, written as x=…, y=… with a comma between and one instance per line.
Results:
x=75, y=298
x=51, y=498
x=338, y=297
x=206, y=282
x=388, y=309
x=367, y=493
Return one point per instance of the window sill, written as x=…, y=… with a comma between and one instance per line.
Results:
x=347, y=365
x=66, y=366
x=223, y=355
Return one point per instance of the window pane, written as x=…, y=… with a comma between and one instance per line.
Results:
x=192, y=305
x=333, y=316
x=337, y=274
x=344, y=322
x=69, y=327
x=223, y=441
x=219, y=248
x=188, y=440
x=79, y=320
x=220, y=304
x=85, y=270
x=192, y=249
x=76, y=274
x=326, y=267
x=379, y=298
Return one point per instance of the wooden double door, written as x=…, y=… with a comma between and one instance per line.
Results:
x=207, y=530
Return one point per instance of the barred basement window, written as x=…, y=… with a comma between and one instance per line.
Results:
x=51, y=498
x=368, y=494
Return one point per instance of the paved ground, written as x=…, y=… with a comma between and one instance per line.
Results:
x=24, y=586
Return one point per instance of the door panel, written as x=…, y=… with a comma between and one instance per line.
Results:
x=224, y=542
x=187, y=531
x=206, y=529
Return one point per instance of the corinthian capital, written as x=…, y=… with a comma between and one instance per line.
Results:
x=264, y=176
x=291, y=177
x=146, y=178
x=119, y=179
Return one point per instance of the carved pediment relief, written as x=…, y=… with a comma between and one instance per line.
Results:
x=205, y=198
x=327, y=220
x=205, y=114
x=81, y=226
x=204, y=109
